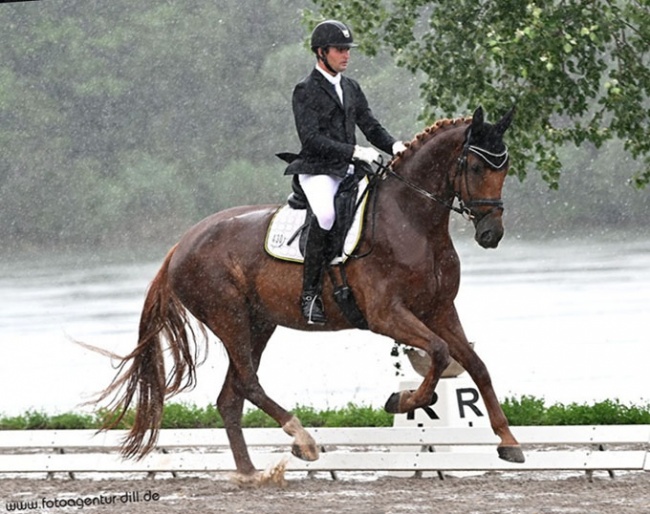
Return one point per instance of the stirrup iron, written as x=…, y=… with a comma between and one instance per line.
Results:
x=312, y=309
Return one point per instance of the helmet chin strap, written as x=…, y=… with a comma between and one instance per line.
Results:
x=322, y=56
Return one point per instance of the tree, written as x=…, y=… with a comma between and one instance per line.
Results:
x=577, y=70
x=107, y=108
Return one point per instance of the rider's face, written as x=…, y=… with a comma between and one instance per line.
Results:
x=338, y=58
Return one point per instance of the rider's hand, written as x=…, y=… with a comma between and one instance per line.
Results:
x=398, y=147
x=366, y=154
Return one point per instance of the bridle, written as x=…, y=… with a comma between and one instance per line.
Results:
x=465, y=208
x=488, y=157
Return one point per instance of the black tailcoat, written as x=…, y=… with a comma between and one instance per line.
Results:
x=327, y=129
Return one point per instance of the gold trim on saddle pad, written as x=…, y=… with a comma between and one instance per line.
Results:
x=287, y=221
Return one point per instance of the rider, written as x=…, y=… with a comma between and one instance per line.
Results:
x=327, y=108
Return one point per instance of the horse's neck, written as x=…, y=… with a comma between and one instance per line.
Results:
x=410, y=228
x=431, y=170
x=408, y=222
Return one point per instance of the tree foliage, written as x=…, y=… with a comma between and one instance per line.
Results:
x=577, y=70
x=123, y=122
x=120, y=118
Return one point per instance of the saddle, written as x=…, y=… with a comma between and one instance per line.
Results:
x=286, y=236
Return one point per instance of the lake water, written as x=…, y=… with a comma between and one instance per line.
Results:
x=562, y=320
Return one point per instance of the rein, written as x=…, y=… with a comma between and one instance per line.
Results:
x=387, y=170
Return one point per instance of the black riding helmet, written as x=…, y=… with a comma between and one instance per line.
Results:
x=331, y=33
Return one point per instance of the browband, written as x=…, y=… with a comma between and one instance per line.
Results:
x=487, y=156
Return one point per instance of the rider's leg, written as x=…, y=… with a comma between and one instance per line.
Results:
x=320, y=191
x=311, y=302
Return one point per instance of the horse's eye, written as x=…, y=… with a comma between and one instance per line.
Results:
x=476, y=168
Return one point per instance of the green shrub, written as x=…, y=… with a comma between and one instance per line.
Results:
x=69, y=421
x=527, y=410
x=533, y=411
x=258, y=418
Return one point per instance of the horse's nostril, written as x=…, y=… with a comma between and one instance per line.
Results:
x=488, y=239
x=489, y=232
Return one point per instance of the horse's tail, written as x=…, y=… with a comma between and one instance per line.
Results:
x=141, y=374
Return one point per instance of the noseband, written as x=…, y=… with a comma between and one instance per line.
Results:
x=465, y=208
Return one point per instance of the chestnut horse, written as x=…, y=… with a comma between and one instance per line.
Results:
x=405, y=286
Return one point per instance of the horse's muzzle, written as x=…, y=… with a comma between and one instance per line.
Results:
x=489, y=230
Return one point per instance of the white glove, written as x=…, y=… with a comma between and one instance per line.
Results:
x=398, y=147
x=366, y=154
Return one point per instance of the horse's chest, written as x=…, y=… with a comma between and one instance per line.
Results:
x=428, y=278
x=444, y=275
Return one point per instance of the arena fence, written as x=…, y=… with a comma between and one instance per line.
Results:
x=415, y=450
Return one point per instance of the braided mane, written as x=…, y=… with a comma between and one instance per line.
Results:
x=426, y=135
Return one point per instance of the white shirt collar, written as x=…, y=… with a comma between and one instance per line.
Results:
x=336, y=79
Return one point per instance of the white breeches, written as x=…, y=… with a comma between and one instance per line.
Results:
x=320, y=191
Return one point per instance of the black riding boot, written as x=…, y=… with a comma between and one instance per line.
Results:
x=311, y=302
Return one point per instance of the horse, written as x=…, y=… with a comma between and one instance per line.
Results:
x=404, y=282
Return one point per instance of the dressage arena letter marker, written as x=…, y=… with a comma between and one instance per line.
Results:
x=456, y=403
x=471, y=403
x=410, y=415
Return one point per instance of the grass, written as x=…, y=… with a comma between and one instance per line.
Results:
x=527, y=410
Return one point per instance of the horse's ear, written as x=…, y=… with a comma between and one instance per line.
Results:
x=477, y=118
x=505, y=122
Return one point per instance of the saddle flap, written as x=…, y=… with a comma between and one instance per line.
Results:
x=281, y=242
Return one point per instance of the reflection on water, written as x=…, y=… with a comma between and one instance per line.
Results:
x=564, y=321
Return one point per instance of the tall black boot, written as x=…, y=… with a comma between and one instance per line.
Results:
x=311, y=301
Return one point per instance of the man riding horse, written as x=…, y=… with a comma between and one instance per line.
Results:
x=327, y=108
x=220, y=275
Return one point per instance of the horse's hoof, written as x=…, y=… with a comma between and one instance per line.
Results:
x=272, y=476
x=246, y=479
x=304, y=447
x=392, y=404
x=305, y=452
x=511, y=454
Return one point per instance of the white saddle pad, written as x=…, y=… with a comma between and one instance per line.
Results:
x=286, y=222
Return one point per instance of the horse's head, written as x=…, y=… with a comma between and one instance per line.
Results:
x=482, y=169
x=462, y=158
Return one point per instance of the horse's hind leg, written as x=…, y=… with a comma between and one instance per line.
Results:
x=231, y=404
x=245, y=341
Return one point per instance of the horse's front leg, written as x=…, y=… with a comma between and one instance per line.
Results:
x=405, y=327
x=452, y=331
